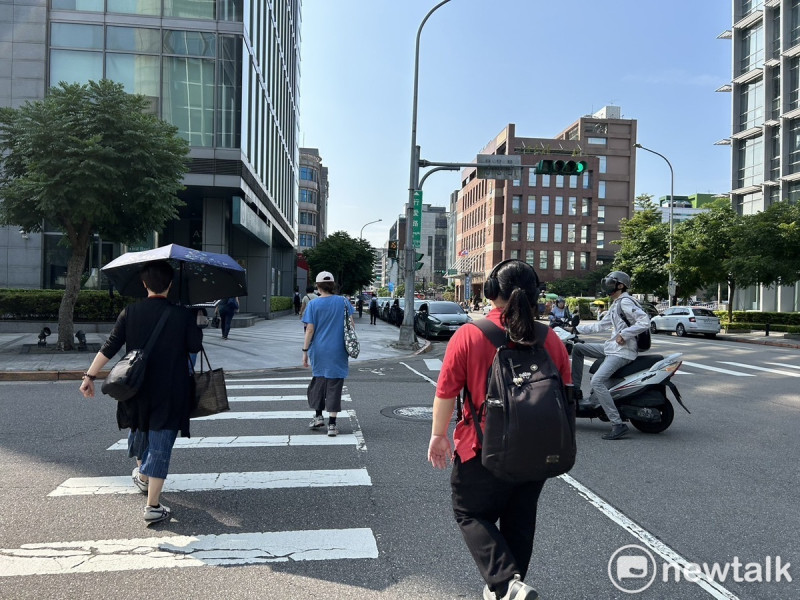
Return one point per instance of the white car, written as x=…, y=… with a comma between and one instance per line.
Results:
x=684, y=320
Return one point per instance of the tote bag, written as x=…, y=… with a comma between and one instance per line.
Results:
x=350, y=337
x=210, y=394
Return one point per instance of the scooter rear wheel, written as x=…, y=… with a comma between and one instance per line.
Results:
x=667, y=415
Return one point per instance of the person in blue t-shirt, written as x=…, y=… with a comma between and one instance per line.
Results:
x=324, y=351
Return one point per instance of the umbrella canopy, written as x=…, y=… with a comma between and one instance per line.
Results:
x=199, y=276
x=551, y=296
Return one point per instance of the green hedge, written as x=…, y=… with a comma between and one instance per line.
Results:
x=743, y=326
x=751, y=317
x=278, y=303
x=580, y=306
x=42, y=305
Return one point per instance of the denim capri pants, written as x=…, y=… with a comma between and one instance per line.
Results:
x=154, y=449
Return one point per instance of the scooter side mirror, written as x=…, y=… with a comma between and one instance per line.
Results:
x=575, y=320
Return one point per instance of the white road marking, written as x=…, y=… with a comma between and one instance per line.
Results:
x=783, y=365
x=256, y=441
x=425, y=377
x=359, y=435
x=274, y=414
x=433, y=364
x=267, y=386
x=166, y=552
x=345, y=398
x=755, y=368
x=717, y=369
x=262, y=379
x=203, y=482
x=648, y=539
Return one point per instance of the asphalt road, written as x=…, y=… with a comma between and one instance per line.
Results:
x=719, y=485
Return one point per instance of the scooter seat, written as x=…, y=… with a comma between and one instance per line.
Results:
x=640, y=363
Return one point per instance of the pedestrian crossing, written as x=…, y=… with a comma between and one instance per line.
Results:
x=241, y=548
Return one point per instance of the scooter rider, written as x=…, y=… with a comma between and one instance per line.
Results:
x=560, y=313
x=619, y=350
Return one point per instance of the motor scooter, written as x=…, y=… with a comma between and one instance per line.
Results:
x=639, y=389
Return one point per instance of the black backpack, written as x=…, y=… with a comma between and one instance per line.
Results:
x=529, y=424
x=643, y=340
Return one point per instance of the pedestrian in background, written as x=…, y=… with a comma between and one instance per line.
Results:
x=373, y=311
x=360, y=306
x=497, y=518
x=226, y=308
x=324, y=351
x=297, y=301
x=310, y=295
x=161, y=408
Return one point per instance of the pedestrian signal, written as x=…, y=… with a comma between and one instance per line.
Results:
x=392, y=253
x=418, y=257
x=560, y=167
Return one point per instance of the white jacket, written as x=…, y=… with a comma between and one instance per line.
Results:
x=612, y=321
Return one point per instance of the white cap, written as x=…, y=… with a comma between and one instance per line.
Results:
x=324, y=276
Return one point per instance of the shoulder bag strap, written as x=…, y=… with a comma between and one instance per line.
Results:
x=498, y=337
x=156, y=332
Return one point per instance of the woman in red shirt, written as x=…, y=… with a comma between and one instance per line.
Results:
x=480, y=499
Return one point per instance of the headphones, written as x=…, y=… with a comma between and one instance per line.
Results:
x=491, y=287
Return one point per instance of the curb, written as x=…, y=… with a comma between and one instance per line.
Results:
x=46, y=375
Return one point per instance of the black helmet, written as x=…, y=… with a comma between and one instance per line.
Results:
x=559, y=300
x=614, y=278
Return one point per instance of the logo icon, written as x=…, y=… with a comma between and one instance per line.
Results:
x=632, y=569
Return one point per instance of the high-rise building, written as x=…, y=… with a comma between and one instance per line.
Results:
x=313, y=217
x=224, y=72
x=562, y=225
x=765, y=128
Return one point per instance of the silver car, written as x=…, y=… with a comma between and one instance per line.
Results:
x=684, y=320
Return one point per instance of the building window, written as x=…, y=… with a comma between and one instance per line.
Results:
x=794, y=24
x=83, y=5
x=751, y=162
x=516, y=202
x=573, y=181
x=529, y=257
x=531, y=205
x=775, y=154
x=601, y=164
x=559, y=206
x=309, y=240
x=559, y=181
x=601, y=189
x=586, y=207
x=73, y=35
x=515, y=232
x=531, y=177
x=601, y=214
x=584, y=261
x=750, y=204
x=557, y=260
x=188, y=91
x=596, y=140
x=515, y=254
x=531, y=232
x=584, y=234
x=751, y=105
x=544, y=232
x=570, y=260
x=545, y=180
x=309, y=196
x=308, y=174
x=545, y=205
x=542, y=259
x=308, y=218
x=573, y=206
x=601, y=239
x=75, y=66
x=775, y=95
x=792, y=192
x=557, y=232
x=752, y=49
x=587, y=180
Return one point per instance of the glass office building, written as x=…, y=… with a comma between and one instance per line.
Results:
x=225, y=72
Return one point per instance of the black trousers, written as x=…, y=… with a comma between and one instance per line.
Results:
x=480, y=500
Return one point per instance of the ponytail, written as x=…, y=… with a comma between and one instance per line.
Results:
x=518, y=317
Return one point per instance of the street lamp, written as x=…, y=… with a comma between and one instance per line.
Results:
x=406, y=340
x=671, y=286
x=361, y=235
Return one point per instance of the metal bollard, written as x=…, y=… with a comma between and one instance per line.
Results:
x=766, y=330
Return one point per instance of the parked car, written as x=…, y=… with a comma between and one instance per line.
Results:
x=439, y=318
x=684, y=320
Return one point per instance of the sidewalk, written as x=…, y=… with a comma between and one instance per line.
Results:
x=266, y=345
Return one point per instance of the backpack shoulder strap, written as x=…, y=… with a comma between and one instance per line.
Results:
x=540, y=331
x=622, y=312
x=496, y=334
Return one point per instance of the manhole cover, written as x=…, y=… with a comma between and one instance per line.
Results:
x=409, y=413
x=53, y=349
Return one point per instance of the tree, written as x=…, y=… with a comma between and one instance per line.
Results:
x=351, y=260
x=644, y=248
x=90, y=159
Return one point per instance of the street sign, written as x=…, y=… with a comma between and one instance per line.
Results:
x=416, y=226
x=390, y=287
x=672, y=287
x=499, y=166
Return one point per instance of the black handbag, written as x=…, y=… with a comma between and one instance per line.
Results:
x=210, y=393
x=126, y=377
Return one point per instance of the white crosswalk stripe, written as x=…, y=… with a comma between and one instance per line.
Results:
x=715, y=369
x=225, y=549
x=433, y=364
x=756, y=368
x=186, y=551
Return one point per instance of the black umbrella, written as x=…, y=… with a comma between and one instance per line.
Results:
x=199, y=276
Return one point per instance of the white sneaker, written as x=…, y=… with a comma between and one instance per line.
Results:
x=138, y=481
x=333, y=430
x=517, y=590
x=316, y=422
x=156, y=514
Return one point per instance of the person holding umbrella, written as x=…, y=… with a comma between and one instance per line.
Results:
x=161, y=408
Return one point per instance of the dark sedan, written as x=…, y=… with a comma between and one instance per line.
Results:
x=439, y=318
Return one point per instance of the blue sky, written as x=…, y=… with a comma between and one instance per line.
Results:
x=486, y=63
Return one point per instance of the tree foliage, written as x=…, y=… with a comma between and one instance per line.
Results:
x=351, y=260
x=91, y=160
